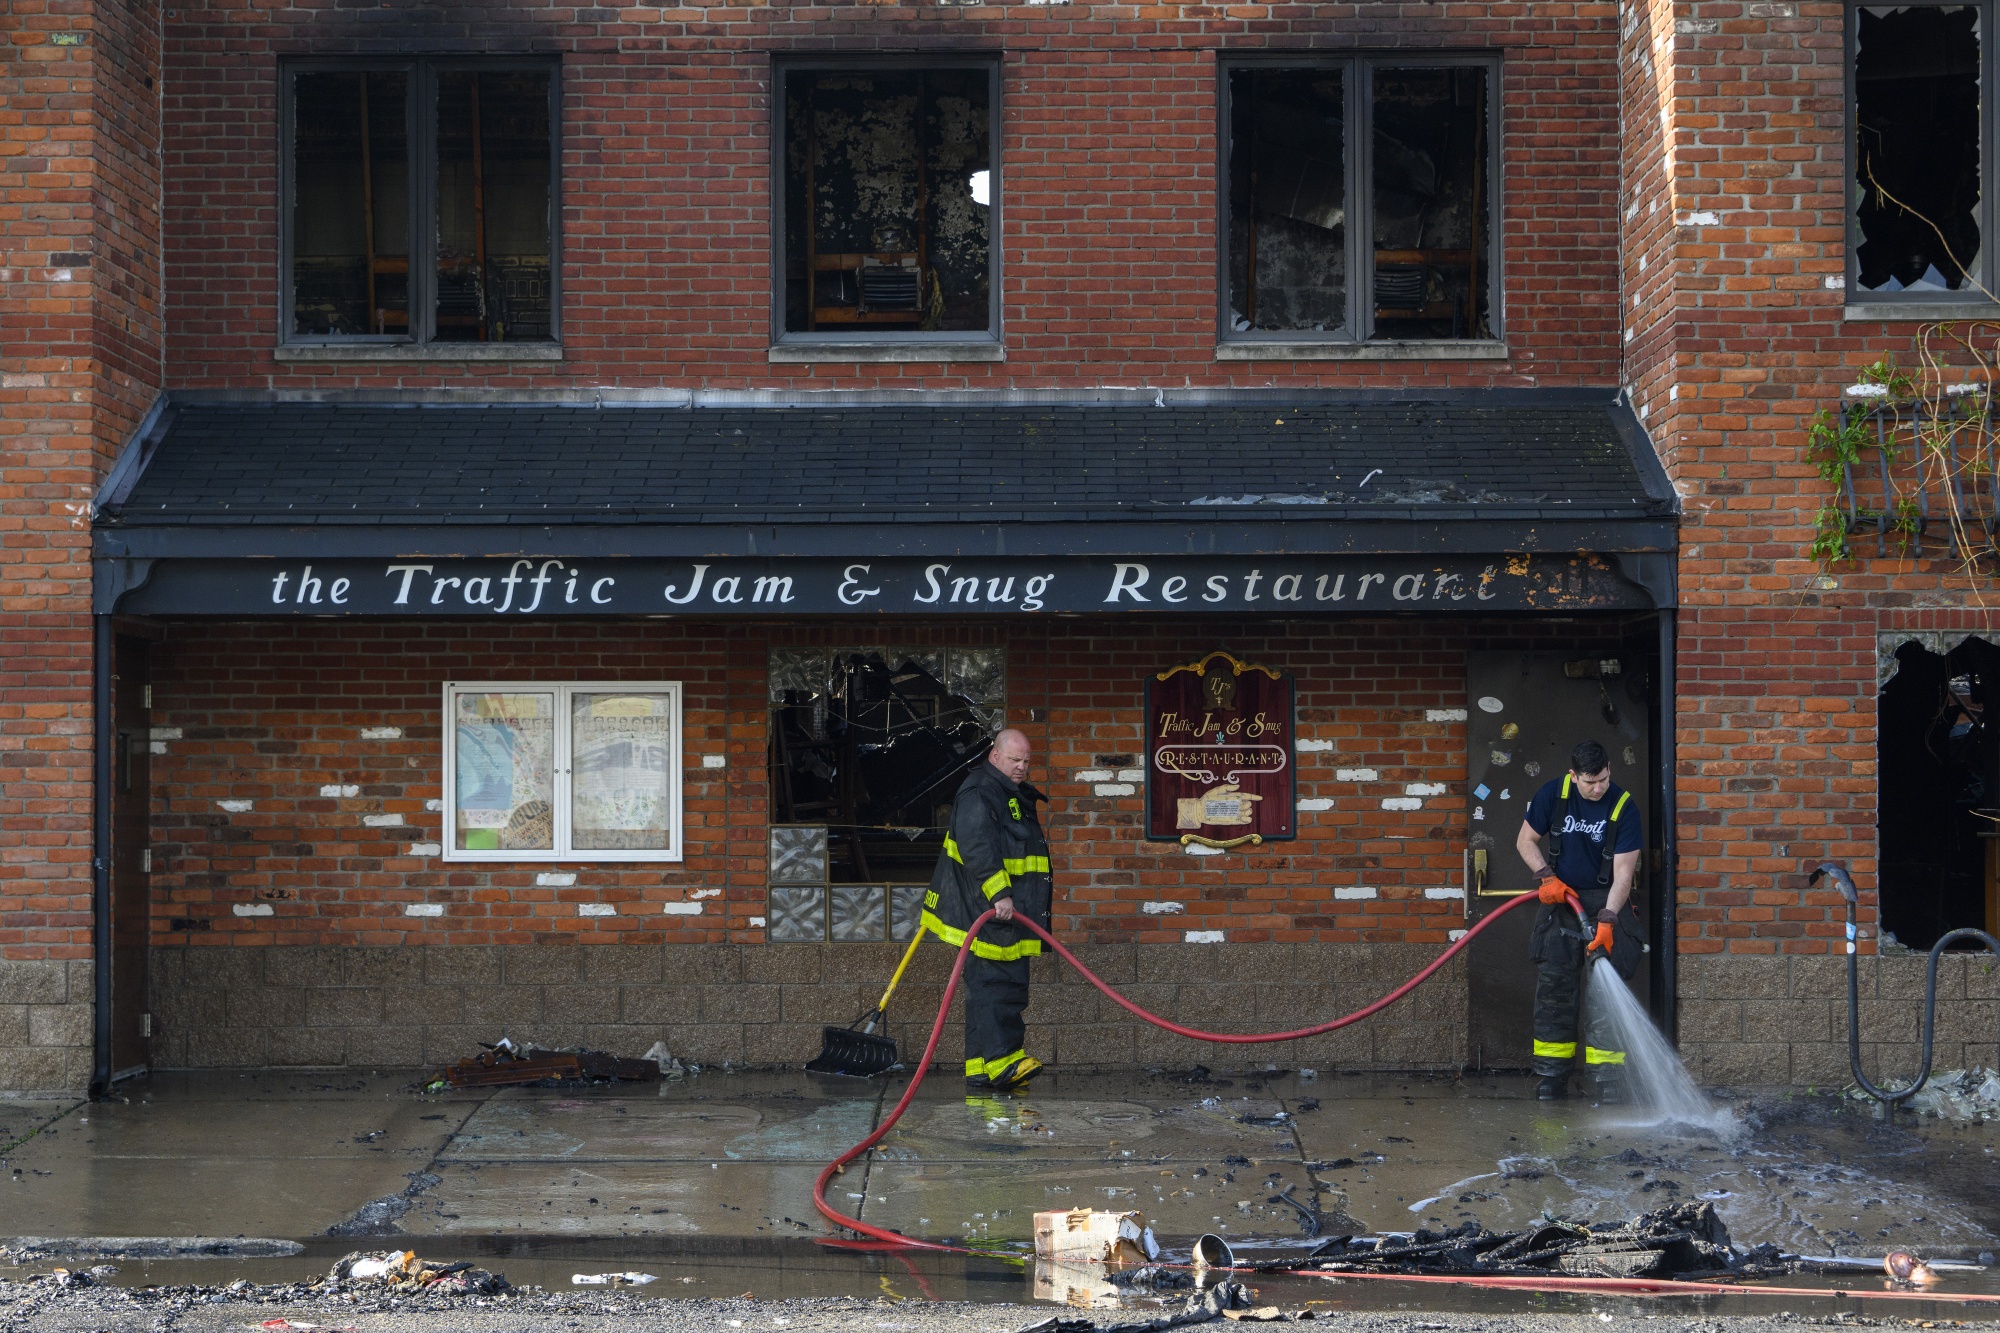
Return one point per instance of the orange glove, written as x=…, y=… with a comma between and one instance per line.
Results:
x=1601, y=943
x=1553, y=892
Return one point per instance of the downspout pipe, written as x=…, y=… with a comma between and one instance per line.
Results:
x=103, y=736
x=1666, y=955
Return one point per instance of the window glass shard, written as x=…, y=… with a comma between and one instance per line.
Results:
x=1916, y=157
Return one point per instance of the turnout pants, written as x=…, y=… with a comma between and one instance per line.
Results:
x=996, y=994
x=1561, y=989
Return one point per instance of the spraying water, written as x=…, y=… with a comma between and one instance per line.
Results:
x=1658, y=1083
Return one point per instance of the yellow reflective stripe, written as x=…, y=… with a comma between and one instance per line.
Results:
x=1619, y=808
x=951, y=849
x=1026, y=865
x=1593, y=1056
x=994, y=1068
x=1555, y=1050
x=999, y=953
x=974, y=1068
x=1565, y=794
x=996, y=883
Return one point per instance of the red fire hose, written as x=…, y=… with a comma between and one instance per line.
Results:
x=895, y=1240
x=838, y=1164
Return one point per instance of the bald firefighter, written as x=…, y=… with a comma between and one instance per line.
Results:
x=1593, y=839
x=996, y=856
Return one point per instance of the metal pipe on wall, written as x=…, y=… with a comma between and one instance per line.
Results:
x=103, y=735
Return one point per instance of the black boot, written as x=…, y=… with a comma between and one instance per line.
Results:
x=1552, y=1088
x=1611, y=1091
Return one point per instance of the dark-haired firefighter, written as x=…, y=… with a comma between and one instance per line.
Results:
x=1591, y=825
x=994, y=856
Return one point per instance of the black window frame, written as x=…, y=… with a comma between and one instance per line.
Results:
x=420, y=127
x=1973, y=298
x=784, y=66
x=1358, y=68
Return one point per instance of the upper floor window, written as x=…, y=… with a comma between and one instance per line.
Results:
x=890, y=201
x=1358, y=199
x=1918, y=216
x=419, y=201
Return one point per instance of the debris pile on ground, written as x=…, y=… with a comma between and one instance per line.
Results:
x=1225, y=1300
x=505, y=1063
x=403, y=1273
x=1687, y=1240
x=1955, y=1094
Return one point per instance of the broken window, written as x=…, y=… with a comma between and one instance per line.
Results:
x=421, y=200
x=1938, y=817
x=1919, y=216
x=890, y=186
x=1326, y=240
x=868, y=746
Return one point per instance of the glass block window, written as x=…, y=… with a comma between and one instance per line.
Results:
x=857, y=913
x=797, y=914
x=579, y=772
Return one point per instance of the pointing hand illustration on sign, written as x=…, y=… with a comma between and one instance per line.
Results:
x=1225, y=804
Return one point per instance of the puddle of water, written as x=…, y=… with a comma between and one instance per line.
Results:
x=1658, y=1083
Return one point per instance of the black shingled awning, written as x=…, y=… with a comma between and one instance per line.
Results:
x=1496, y=471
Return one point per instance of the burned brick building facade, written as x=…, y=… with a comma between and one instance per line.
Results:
x=519, y=514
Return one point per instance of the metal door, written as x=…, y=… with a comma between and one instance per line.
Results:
x=1525, y=711
x=131, y=896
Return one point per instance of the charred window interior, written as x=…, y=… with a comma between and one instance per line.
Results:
x=1939, y=812
x=871, y=743
x=1416, y=261
x=421, y=203
x=888, y=223
x=1917, y=148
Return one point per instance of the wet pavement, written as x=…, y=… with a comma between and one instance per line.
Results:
x=706, y=1182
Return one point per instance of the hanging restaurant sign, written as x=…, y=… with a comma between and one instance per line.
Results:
x=1219, y=763
x=1278, y=585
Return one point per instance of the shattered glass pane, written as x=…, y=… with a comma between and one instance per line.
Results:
x=1287, y=200
x=979, y=675
x=1431, y=203
x=888, y=224
x=350, y=203
x=869, y=744
x=798, y=854
x=857, y=912
x=1917, y=147
x=796, y=915
x=906, y=907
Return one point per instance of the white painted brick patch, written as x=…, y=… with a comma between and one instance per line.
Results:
x=1204, y=937
x=423, y=909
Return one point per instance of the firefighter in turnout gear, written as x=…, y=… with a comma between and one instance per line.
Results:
x=994, y=856
x=1593, y=840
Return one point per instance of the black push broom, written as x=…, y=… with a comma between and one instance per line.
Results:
x=861, y=1051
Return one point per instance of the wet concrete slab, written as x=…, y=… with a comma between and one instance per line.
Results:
x=729, y=1158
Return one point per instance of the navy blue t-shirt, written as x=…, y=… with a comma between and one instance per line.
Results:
x=1582, y=830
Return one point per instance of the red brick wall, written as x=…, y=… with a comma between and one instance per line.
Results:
x=270, y=713
x=1737, y=342
x=1110, y=144
x=79, y=353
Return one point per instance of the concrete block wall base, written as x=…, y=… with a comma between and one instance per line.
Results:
x=1783, y=1019
x=765, y=1004
x=46, y=1011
